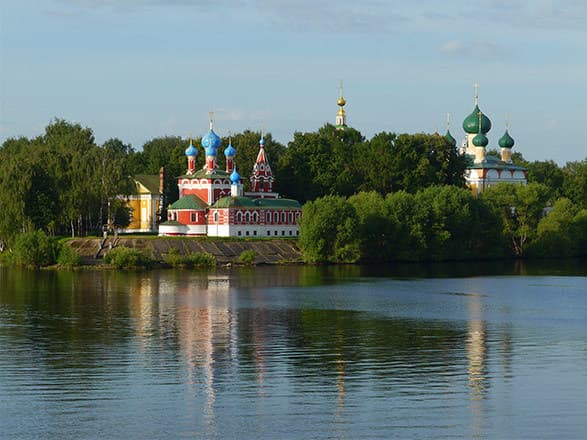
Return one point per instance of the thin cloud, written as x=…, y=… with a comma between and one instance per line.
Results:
x=487, y=50
x=540, y=14
x=369, y=16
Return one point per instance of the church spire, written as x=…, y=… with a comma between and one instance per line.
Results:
x=341, y=114
x=262, y=177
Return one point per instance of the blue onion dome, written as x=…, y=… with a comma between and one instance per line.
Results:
x=449, y=139
x=211, y=140
x=191, y=150
x=235, y=177
x=229, y=151
x=262, y=141
x=210, y=151
x=471, y=122
x=506, y=141
x=480, y=140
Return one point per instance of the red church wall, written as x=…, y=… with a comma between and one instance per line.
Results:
x=185, y=217
x=201, y=193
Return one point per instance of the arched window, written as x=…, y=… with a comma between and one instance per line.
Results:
x=248, y=217
x=239, y=217
x=255, y=217
x=291, y=217
x=282, y=217
x=215, y=216
x=268, y=217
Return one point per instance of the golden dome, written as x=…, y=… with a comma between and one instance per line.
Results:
x=341, y=101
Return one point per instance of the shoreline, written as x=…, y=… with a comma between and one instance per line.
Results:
x=225, y=251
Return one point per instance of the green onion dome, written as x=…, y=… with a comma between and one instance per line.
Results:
x=449, y=139
x=506, y=141
x=471, y=122
x=480, y=140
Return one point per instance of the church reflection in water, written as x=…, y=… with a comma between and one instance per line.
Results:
x=221, y=331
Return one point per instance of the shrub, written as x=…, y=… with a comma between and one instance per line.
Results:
x=7, y=258
x=68, y=257
x=247, y=257
x=175, y=259
x=35, y=249
x=202, y=259
x=123, y=257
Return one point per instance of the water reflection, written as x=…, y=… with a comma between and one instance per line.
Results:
x=476, y=354
x=274, y=353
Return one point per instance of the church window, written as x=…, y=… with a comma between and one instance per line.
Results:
x=268, y=217
x=216, y=217
x=283, y=217
x=248, y=217
x=239, y=233
x=255, y=217
x=268, y=232
x=247, y=233
x=254, y=232
x=282, y=232
x=291, y=217
x=239, y=217
x=194, y=217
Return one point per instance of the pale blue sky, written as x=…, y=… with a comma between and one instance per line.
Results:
x=136, y=69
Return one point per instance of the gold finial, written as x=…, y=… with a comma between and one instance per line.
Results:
x=229, y=137
x=191, y=137
x=476, y=93
x=448, y=121
x=211, y=120
x=507, y=122
x=341, y=101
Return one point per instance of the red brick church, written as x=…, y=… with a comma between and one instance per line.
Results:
x=212, y=202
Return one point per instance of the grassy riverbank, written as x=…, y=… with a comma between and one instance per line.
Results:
x=224, y=251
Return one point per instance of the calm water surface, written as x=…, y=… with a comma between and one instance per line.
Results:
x=295, y=352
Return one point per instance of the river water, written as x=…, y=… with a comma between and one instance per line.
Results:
x=455, y=352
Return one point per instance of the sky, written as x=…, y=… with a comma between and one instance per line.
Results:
x=137, y=69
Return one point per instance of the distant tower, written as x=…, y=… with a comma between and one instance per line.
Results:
x=262, y=178
x=229, y=153
x=506, y=142
x=473, y=125
x=451, y=140
x=210, y=142
x=191, y=154
x=480, y=141
x=340, y=115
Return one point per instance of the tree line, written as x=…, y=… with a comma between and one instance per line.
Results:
x=64, y=183
x=441, y=223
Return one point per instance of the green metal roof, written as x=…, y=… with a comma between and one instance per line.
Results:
x=237, y=202
x=494, y=163
x=189, y=201
x=149, y=181
x=247, y=202
x=201, y=174
x=278, y=203
x=171, y=223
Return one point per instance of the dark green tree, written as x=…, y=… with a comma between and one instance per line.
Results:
x=322, y=163
x=556, y=231
x=547, y=173
x=328, y=231
x=520, y=208
x=575, y=182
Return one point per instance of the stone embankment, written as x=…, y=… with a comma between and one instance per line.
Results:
x=225, y=251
